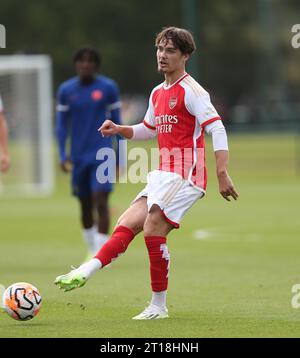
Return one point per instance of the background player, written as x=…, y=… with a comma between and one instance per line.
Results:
x=84, y=102
x=4, y=153
x=179, y=112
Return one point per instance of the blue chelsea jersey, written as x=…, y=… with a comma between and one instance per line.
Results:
x=81, y=110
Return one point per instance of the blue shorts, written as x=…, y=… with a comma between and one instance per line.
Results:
x=84, y=180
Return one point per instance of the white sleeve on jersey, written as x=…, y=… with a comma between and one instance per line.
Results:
x=1, y=105
x=218, y=133
x=149, y=119
x=200, y=106
x=141, y=132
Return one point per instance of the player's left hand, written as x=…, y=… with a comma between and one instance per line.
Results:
x=226, y=187
x=4, y=162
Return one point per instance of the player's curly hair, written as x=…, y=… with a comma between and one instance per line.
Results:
x=91, y=51
x=181, y=38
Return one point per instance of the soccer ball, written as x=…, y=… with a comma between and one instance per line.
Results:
x=22, y=301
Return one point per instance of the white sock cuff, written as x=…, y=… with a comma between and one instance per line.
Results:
x=91, y=231
x=102, y=237
x=159, y=298
x=88, y=236
x=91, y=267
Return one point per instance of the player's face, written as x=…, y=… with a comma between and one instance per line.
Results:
x=86, y=67
x=169, y=58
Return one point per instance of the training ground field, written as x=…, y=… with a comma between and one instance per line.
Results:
x=233, y=264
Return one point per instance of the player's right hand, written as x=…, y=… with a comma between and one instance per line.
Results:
x=108, y=128
x=66, y=166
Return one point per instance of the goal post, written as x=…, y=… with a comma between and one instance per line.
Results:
x=26, y=92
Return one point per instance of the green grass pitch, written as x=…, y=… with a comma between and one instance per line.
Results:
x=232, y=264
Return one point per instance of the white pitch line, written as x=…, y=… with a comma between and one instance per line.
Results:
x=218, y=234
x=202, y=234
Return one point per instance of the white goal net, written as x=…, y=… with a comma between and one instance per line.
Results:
x=25, y=89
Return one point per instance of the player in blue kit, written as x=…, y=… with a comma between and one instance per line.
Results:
x=84, y=102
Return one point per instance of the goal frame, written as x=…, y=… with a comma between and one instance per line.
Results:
x=42, y=64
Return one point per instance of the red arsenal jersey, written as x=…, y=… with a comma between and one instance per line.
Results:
x=179, y=114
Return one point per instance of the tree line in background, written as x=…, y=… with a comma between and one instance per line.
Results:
x=244, y=48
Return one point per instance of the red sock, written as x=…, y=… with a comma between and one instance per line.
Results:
x=116, y=245
x=159, y=262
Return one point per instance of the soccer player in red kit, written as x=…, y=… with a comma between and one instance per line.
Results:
x=179, y=113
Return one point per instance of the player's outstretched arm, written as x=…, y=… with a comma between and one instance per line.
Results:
x=226, y=187
x=109, y=128
x=135, y=132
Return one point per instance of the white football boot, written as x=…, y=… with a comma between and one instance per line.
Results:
x=152, y=312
